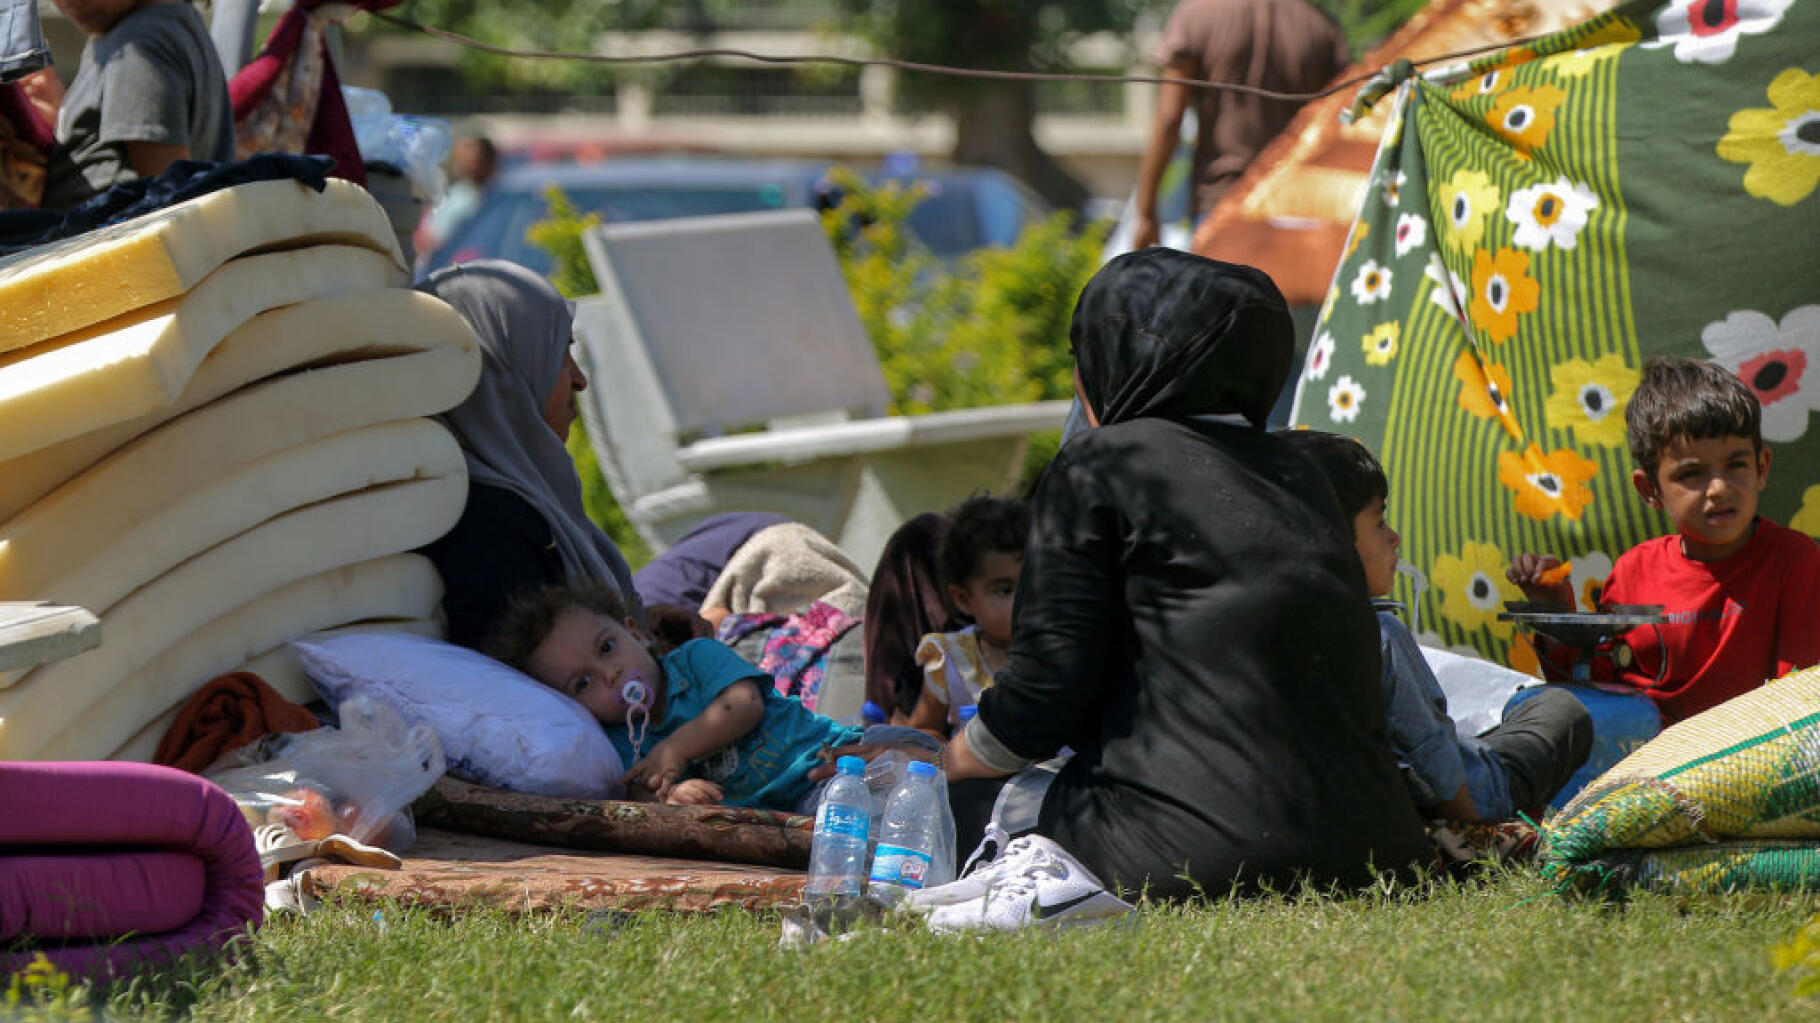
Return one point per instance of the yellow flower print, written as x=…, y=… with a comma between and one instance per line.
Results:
x=1525, y=116
x=1547, y=485
x=1782, y=143
x=1470, y=197
x=1589, y=398
x=1381, y=344
x=1807, y=520
x=1474, y=589
x=1359, y=231
x=1485, y=391
x=1502, y=290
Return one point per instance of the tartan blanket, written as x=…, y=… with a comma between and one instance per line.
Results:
x=1729, y=798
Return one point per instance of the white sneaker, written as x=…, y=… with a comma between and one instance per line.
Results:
x=1011, y=856
x=1050, y=889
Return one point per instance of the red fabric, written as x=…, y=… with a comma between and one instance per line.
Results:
x=112, y=851
x=25, y=144
x=226, y=714
x=1736, y=623
x=28, y=124
x=332, y=134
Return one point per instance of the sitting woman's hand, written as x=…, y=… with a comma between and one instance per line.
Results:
x=869, y=751
x=692, y=792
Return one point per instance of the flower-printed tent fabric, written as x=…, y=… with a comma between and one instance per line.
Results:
x=1537, y=224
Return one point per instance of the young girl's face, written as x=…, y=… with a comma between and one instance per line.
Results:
x=990, y=594
x=590, y=656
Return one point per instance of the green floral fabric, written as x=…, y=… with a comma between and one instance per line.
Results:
x=1536, y=224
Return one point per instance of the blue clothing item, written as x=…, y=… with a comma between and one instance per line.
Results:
x=22, y=46
x=769, y=766
x=1435, y=759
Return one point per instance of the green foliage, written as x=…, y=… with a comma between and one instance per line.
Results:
x=41, y=993
x=991, y=329
x=1366, y=23
x=1799, y=957
x=559, y=234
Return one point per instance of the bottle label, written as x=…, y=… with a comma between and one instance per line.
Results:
x=837, y=819
x=894, y=864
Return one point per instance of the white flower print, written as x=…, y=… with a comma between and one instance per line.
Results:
x=1320, y=356
x=1705, y=32
x=1449, y=289
x=1372, y=282
x=1778, y=363
x=1550, y=213
x=1393, y=187
x=1412, y=231
x=1344, y=399
x=1588, y=575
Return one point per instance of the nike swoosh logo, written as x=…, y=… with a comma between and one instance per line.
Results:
x=1040, y=911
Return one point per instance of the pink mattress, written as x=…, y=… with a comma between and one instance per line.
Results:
x=107, y=866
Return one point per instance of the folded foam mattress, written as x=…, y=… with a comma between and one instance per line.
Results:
x=106, y=867
x=134, y=364
x=399, y=590
x=323, y=332
x=155, y=504
x=383, y=520
x=67, y=285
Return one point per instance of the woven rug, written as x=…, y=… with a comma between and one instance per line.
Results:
x=448, y=870
x=1729, y=798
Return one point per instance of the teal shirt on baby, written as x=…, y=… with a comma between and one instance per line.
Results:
x=768, y=767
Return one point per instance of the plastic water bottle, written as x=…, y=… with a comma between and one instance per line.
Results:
x=907, y=836
x=837, y=854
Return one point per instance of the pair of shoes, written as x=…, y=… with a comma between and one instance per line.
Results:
x=279, y=845
x=1032, y=883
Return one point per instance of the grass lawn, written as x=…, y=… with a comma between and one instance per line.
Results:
x=1499, y=948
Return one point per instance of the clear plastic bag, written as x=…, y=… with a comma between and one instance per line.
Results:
x=416, y=145
x=882, y=776
x=357, y=780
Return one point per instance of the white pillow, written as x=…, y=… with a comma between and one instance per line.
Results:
x=498, y=726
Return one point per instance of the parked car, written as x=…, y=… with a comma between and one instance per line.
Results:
x=968, y=207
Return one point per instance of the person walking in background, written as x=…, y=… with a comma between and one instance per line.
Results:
x=1280, y=45
x=472, y=163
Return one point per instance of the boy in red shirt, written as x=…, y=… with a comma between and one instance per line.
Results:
x=1742, y=593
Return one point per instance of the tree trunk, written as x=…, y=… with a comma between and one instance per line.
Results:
x=993, y=127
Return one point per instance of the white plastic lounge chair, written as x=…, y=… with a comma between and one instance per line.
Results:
x=729, y=372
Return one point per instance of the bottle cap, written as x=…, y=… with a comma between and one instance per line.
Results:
x=967, y=713
x=872, y=713
x=922, y=769
x=850, y=765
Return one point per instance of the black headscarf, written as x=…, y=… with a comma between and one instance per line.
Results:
x=1165, y=334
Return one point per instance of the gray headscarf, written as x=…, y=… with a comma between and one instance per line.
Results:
x=524, y=325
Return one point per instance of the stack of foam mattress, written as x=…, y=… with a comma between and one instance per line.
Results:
x=213, y=436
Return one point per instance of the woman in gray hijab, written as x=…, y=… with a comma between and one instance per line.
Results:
x=524, y=525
